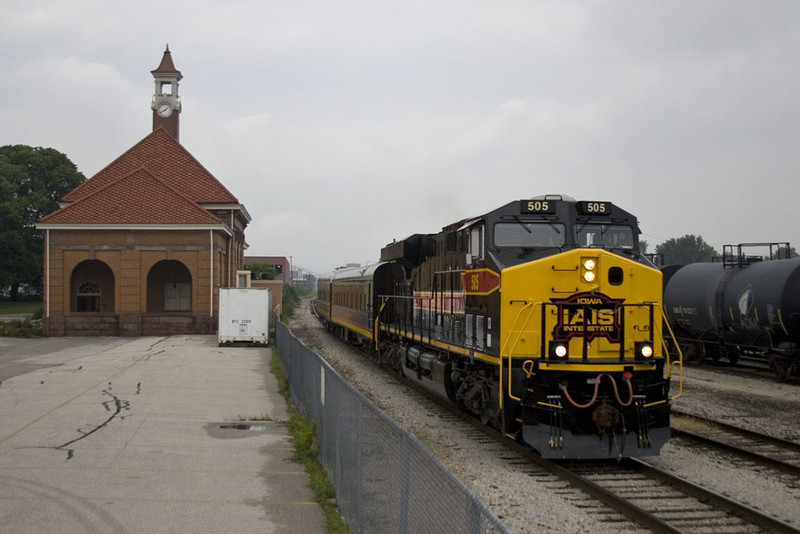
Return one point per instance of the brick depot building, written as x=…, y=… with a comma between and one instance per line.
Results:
x=143, y=246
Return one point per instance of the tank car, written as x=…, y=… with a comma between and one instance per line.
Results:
x=540, y=317
x=743, y=304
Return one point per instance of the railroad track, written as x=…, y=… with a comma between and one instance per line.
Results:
x=749, y=366
x=771, y=451
x=743, y=369
x=631, y=494
x=664, y=502
x=644, y=494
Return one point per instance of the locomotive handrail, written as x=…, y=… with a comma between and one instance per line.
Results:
x=504, y=352
x=376, y=328
x=670, y=363
x=402, y=326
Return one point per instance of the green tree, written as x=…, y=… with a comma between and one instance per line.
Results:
x=784, y=253
x=262, y=271
x=686, y=249
x=32, y=181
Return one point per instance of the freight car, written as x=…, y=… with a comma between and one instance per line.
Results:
x=540, y=317
x=745, y=304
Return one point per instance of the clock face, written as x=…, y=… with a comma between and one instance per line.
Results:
x=164, y=109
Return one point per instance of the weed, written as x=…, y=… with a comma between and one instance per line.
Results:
x=21, y=329
x=308, y=447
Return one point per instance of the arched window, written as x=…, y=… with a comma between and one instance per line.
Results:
x=92, y=287
x=89, y=297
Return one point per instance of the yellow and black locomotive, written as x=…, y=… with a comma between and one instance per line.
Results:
x=540, y=317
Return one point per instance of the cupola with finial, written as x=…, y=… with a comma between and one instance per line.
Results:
x=166, y=103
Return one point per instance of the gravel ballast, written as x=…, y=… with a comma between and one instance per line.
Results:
x=527, y=500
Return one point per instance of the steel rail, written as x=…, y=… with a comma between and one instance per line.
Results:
x=790, y=446
x=748, y=513
x=616, y=503
x=784, y=443
x=621, y=505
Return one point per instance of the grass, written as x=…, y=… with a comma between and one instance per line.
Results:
x=307, y=444
x=32, y=307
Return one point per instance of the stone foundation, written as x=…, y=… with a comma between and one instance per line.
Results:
x=91, y=324
x=128, y=324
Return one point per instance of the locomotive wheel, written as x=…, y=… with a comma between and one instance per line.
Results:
x=495, y=421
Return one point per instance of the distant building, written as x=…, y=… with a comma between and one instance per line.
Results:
x=143, y=246
x=304, y=278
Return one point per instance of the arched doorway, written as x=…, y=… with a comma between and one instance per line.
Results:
x=92, y=287
x=169, y=287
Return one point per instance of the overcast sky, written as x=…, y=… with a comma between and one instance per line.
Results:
x=344, y=125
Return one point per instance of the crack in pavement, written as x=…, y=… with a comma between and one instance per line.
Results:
x=29, y=424
x=115, y=405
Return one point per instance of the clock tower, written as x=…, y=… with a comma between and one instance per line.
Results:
x=166, y=101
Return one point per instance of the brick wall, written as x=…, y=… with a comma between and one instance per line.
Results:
x=130, y=255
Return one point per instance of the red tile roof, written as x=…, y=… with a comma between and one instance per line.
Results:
x=138, y=198
x=161, y=155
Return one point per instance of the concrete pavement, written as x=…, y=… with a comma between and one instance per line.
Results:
x=119, y=435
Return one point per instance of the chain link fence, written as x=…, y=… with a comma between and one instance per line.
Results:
x=386, y=480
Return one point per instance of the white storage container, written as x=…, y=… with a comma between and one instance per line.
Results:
x=244, y=315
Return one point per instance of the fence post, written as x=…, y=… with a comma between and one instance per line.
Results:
x=406, y=485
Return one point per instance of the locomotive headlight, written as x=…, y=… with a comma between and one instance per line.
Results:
x=644, y=350
x=558, y=350
x=589, y=269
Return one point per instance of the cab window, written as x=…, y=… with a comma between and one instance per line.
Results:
x=604, y=235
x=522, y=234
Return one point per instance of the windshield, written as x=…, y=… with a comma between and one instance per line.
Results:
x=520, y=234
x=604, y=235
